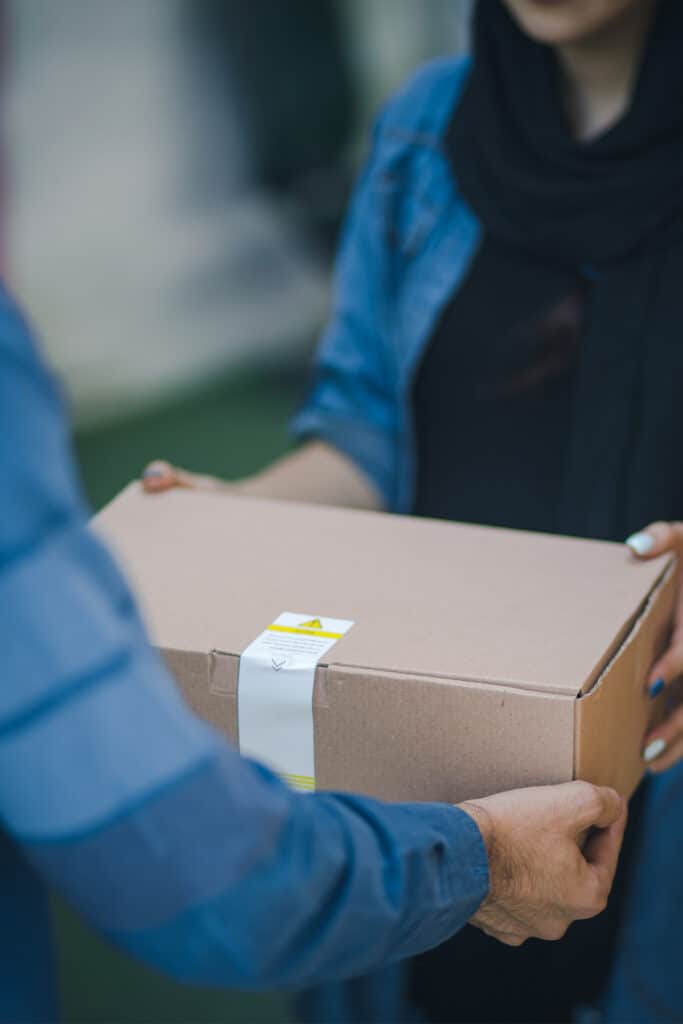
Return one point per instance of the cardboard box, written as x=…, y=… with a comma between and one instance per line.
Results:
x=478, y=659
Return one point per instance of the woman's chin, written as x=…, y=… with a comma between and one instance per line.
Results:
x=564, y=22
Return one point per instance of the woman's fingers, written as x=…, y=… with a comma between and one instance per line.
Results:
x=670, y=666
x=656, y=539
x=158, y=476
x=161, y=476
x=670, y=756
x=664, y=745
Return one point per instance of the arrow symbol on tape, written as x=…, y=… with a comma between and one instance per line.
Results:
x=278, y=663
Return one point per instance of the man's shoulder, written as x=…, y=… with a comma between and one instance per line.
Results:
x=21, y=362
x=31, y=413
x=17, y=344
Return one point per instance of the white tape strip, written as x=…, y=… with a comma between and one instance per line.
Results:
x=275, y=693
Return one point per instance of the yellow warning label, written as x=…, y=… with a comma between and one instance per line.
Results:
x=277, y=676
x=274, y=628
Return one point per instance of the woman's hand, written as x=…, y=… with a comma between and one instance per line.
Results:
x=162, y=476
x=663, y=747
x=315, y=472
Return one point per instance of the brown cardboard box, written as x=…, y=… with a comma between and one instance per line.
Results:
x=479, y=659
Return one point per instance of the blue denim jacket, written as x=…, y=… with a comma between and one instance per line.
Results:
x=408, y=243
x=647, y=982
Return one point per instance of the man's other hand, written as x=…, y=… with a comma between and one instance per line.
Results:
x=553, y=851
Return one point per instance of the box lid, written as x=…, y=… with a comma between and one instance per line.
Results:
x=427, y=597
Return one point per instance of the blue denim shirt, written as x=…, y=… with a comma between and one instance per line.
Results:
x=189, y=857
x=409, y=240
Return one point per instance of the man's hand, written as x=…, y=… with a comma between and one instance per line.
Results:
x=547, y=865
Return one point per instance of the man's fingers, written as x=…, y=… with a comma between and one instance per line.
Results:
x=601, y=852
x=655, y=539
x=510, y=935
x=603, y=845
x=595, y=807
x=509, y=939
x=601, y=855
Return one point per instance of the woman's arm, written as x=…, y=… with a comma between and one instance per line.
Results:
x=316, y=472
x=349, y=427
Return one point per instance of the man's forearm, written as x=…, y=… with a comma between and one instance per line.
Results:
x=295, y=890
x=210, y=869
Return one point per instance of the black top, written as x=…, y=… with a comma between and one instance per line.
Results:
x=584, y=448
x=492, y=411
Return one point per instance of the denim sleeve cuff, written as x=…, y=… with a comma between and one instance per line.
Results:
x=472, y=852
x=453, y=878
x=437, y=873
x=464, y=874
x=369, y=448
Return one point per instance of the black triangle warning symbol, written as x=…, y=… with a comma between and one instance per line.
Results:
x=311, y=624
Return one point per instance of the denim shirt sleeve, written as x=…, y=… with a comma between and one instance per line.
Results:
x=199, y=862
x=354, y=403
x=357, y=401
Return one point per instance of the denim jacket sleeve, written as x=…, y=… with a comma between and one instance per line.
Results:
x=353, y=403
x=357, y=399
x=185, y=854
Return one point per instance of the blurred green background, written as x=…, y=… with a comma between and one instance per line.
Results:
x=230, y=429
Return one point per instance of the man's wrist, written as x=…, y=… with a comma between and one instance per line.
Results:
x=484, y=822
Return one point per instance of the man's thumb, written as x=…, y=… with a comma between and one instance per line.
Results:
x=597, y=806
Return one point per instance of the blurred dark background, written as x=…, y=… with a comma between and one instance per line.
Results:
x=177, y=171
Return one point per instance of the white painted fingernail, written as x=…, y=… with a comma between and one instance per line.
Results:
x=641, y=543
x=654, y=749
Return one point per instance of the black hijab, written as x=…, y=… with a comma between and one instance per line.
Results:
x=609, y=211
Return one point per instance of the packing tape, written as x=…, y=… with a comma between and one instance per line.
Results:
x=275, y=693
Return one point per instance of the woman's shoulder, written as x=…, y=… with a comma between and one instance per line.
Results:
x=423, y=106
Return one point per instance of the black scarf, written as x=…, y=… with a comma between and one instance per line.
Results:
x=609, y=211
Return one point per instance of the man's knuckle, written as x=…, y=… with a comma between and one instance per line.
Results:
x=554, y=931
x=591, y=798
x=601, y=903
x=598, y=901
x=597, y=896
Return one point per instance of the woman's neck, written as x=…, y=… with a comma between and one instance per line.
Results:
x=600, y=71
